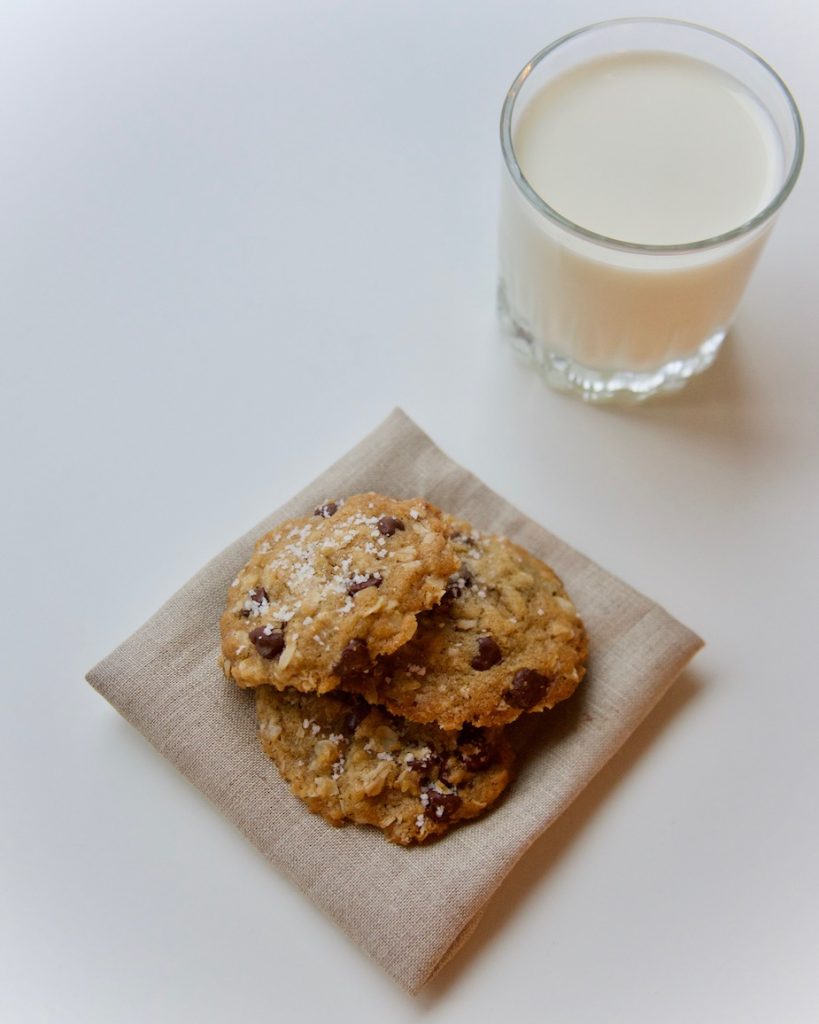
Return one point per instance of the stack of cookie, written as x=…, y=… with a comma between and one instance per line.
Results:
x=389, y=644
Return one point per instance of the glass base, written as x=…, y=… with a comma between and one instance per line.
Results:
x=625, y=386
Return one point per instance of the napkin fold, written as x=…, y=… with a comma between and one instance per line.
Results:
x=411, y=908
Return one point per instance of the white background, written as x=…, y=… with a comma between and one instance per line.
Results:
x=234, y=236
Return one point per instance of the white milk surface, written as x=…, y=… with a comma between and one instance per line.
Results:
x=642, y=147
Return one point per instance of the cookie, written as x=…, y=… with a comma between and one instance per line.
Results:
x=505, y=639
x=326, y=593
x=351, y=762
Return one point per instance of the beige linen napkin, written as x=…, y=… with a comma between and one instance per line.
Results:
x=410, y=909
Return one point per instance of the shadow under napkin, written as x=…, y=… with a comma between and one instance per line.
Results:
x=165, y=680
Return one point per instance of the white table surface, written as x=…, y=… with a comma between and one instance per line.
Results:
x=234, y=236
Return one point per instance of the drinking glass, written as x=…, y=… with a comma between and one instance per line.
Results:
x=615, y=319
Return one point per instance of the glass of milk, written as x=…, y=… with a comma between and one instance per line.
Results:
x=645, y=161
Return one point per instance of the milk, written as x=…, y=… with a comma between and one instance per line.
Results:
x=649, y=148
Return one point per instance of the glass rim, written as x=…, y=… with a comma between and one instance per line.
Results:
x=639, y=247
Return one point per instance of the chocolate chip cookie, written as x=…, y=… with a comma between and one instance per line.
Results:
x=351, y=762
x=326, y=593
x=504, y=640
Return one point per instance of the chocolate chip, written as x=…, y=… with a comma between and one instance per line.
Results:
x=354, y=658
x=458, y=583
x=440, y=806
x=257, y=597
x=489, y=654
x=326, y=510
x=474, y=750
x=368, y=581
x=463, y=538
x=268, y=642
x=528, y=688
x=424, y=762
x=387, y=525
